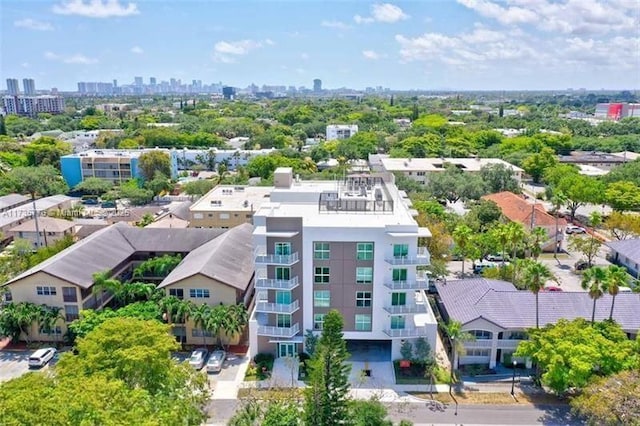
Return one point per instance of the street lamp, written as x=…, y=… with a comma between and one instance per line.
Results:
x=513, y=379
x=453, y=346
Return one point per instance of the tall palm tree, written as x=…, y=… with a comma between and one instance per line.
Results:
x=462, y=236
x=457, y=338
x=200, y=316
x=102, y=282
x=616, y=278
x=534, y=276
x=217, y=321
x=516, y=236
x=593, y=280
x=49, y=317
x=558, y=200
x=536, y=239
x=169, y=307
x=26, y=313
x=237, y=317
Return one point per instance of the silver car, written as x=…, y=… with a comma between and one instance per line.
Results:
x=215, y=362
x=198, y=358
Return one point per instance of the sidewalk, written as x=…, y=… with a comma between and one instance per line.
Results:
x=228, y=389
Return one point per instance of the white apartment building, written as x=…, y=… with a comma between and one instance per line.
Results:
x=32, y=105
x=350, y=245
x=341, y=131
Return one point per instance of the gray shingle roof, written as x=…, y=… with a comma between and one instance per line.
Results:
x=628, y=248
x=227, y=258
x=500, y=303
x=11, y=200
x=109, y=247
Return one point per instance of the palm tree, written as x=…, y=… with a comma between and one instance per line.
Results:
x=457, y=338
x=237, y=317
x=102, y=282
x=26, y=313
x=616, y=277
x=48, y=317
x=534, y=277
x=200, y=316
x=217, y=320
x=558, y=200
x=516, y=236
x=536, y=239
x=462, y=236
x=593, y=280
x=595, y=219
x=169, y=307
x=502, y=235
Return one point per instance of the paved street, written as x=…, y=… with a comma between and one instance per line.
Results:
x=13, y=364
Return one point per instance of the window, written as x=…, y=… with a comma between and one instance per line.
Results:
x=199, y=293
x=322, y=298
x=177, y=292
x=400, y=250
x=318, y=321
x=364, y=275
x=363, y=299
x=283, y=273
x=321, y=275
x=363, y=322
x=283, y=320
x=518, y=335
x=399, y=275
x=481, y=334
x=398, y=299
x=7, y=296
x=69, y=294
x=283, y=249
x=420, y=173
x=224, y=216
x=45, y=291
x=71, y=312
x=477, y=352
x=57, y=330
x=364, y=251
x=283, y=297
x=197, y=332
x=321, y=251
x=397, y=323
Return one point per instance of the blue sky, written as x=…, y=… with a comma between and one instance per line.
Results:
x=427, y=44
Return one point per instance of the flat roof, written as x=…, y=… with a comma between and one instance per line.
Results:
x=438, y=164
x=233, y=198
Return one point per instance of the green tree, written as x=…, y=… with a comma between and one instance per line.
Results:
x=558, y=200
x=536, y=164
x=457, y=337
x=580, y=190
x=483, y=215
x=616, y=277
x=159, y=184
x=326, y=398
x=369, y=412
x=535, y=276
x=93, y=185
x=198, y=187
x=498, y=178
x=46, y=150
x=594, y=281
x=623, y=226
x=535, y=241
x=154, y=161
x=200, y=317
x=462, y=237
x=623, y=196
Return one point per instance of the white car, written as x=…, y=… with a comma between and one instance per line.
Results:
x=41, y=357
x=573, y=229
x=215, y=362
x=198, y=358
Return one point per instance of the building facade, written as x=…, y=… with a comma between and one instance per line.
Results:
x=226, y=206
x=341, y=131
x=32, y=105
x=350, y=245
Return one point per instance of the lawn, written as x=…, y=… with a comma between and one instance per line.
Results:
x=271, y=393
x=414, y=375
x=497, y=398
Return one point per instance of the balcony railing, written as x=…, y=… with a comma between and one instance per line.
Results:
x=411, y=308
x=420, y=283
x=277, y=308
x=487, y=343
x=406, y=332
x=276, y=259
x=275, y=284
x=271, y=331
x=421, y=257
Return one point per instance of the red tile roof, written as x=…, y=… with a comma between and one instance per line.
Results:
x=515, y=208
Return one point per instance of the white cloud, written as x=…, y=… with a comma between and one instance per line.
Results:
x=227, y=51
x=78, y=58
x=96, y=8
x=32, y=24
x=382, y=12
x=505, y=15
x=304, y=56
x=370, y=54
x=338, y=25
x=137, y=50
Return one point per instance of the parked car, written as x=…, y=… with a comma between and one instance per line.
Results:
x=481, y=266
x=497, y=257
x=215, y=362
x=573, y=229
x=41, y=357
x=198, y=358
x=581, y=265
x=552, y=288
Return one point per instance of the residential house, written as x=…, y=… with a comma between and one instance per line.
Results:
x=50, y=230
x=44, y=206
x=626, y=253
x=226, y=206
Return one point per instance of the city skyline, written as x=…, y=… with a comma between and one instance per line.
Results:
x=437, y=45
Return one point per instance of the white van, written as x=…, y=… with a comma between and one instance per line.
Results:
x=624, y=290
x=42, y=356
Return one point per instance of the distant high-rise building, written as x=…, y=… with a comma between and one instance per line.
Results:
x=228, y=92
x=115, y=83
x=12, y=86
x=152, y=81
x=138, y=81
x=317, y=85
x=29, y=86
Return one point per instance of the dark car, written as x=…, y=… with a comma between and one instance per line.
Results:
x=581, y=265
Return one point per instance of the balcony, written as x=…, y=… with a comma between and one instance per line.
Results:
x=275, y=284
x=272, y=331
x=406, y=332
x=277, y=308
x=261, y=257
x=411, y=308
x=420, y=283
x=421, y=257
x=488, y=343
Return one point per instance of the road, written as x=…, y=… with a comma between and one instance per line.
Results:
x=222, y=410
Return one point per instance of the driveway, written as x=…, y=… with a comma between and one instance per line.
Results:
x=13, y=364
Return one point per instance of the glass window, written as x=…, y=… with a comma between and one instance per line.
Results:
x=399, y=274
x=364, y=251
x=283, y=249
x=400, y=250
x=398, y=299
x=363, y=299
x=199, y=293
x=71, y=312
x=363, y=322
x=69, y=294
x=177, y=292
x=321, y=251
x=481, y=334
x=197, y=332
x=321, y=275
x=397, y=323
x=322, y=298
x=283, y=320
x=8, y=297
x=283, y=273
x=51, y=330
x=364, y=275
x=318, y=321
x=477, y=352
x=45, y=291
x=283, y=297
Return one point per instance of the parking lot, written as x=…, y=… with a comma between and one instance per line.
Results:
x=15, y=363
x=230, y=368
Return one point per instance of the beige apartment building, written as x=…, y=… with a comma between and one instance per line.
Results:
x=226, y=206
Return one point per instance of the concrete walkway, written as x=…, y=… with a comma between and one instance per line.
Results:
x=228, y=389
